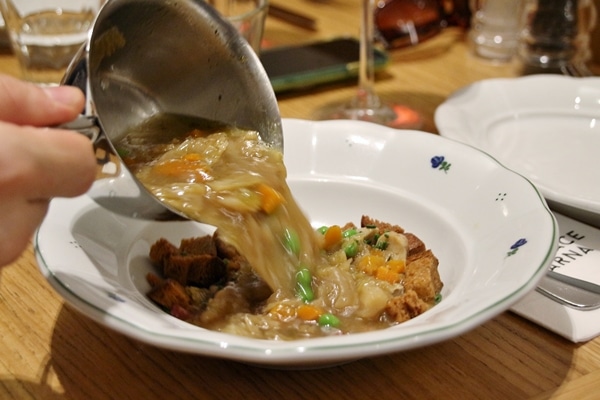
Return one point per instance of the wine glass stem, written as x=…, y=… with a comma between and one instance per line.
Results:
x=366, y=97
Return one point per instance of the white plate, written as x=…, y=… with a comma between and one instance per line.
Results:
x=546, y=127
x=489, y=227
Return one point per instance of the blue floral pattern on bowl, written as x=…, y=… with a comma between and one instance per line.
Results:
x=515, y=247
x=440, y=163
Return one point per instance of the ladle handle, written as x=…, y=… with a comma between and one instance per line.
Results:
x=85, y=124
x=77, y=75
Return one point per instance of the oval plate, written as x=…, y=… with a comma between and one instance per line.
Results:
x=546, y=127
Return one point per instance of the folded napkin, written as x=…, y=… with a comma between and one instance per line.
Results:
x=578, y=256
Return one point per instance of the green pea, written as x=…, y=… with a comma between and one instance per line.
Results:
x=291, y=241
x=123, y=153
x=328, y=319
x=303, y=276
x=304, y=285
x=322, y=230
x=351, y=249
x=349, y=232
x=438, y=298
x=305, y=293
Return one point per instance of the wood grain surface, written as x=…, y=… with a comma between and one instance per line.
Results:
x=49, y=351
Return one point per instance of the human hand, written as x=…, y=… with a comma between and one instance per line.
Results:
x=37, y=163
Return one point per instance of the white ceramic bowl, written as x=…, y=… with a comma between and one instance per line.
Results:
x=489, y=227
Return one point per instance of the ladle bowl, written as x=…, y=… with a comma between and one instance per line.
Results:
x=146, y=57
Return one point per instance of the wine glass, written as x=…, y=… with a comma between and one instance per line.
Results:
x=366, y=105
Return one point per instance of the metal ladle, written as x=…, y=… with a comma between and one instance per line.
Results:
x=146, y=57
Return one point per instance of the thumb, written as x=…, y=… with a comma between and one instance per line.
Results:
x=24, y=103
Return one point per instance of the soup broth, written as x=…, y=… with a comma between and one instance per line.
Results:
x=228, y=178
x=267, y=273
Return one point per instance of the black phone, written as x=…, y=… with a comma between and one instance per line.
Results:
x=312, y=64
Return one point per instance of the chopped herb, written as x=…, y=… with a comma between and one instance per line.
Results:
x=382, y=245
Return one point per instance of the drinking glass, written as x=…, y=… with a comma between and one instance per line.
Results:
x=247, y=16
x=46, y=34
x=366, y=105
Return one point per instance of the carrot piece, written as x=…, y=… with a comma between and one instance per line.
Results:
x=332, y=237
x=309, y=312
x=169, y=168
x=270, y=198
x=192, y=157
x=369, y=263
x=385, y=274
x=283, y=312
x=173, y=167
x=396, y=265
x=181, y=168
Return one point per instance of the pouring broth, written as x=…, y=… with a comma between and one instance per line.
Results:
x=228, y=178
x=266, y=272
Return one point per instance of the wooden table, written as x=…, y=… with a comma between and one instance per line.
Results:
x=48, y=351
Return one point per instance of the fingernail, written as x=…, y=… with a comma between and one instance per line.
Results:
x=66, y=95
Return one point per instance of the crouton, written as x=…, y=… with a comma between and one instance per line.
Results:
x=234, y=260
x=161, y=250
x=406, y=306
x=197, y=246
x=422, y=276
x=382, y=226
x=224, y=249
x=169, y=294
x=194, y=262
x=198, y=270
x=415, y=245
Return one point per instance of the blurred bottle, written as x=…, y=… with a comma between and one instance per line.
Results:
x=495, y=28
x=403, y=23
x=456, y=13
x=556, y=34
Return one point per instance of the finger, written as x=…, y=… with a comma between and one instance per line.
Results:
x=24, y=103
x=41, y=163
x=69, y=164
x=18, y=221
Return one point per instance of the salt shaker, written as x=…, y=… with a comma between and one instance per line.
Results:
x=495, y=28
x=556, y=35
